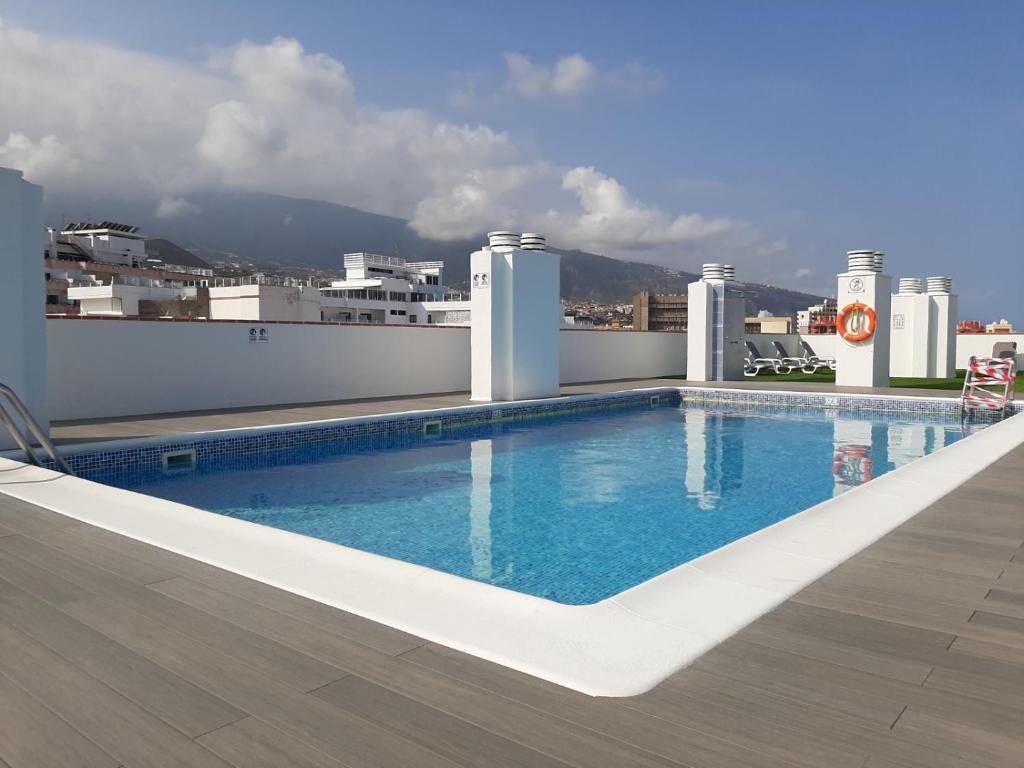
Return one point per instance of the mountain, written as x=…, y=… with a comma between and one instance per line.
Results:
x=277, y=231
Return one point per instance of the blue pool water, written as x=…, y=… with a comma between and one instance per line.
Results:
x=572, y=508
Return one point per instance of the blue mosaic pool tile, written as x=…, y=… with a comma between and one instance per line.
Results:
x=211, y=446
x=255, y=441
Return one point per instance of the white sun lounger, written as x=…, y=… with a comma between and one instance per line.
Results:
x=814, y=362
x=755, y=363
x=788, y=360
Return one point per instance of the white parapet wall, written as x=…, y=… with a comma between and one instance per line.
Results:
x=596, y=355
x=982, y=344
x=106, y=368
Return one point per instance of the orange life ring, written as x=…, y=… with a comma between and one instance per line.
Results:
x=866, y=331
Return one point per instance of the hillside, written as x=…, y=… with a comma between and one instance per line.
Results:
x=275, y=230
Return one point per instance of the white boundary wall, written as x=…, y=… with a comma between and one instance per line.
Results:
x=607, y=355
x=106, y=368
x=981, y=344
x=123, y=367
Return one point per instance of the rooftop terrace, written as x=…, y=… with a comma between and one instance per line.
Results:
x=113, y=652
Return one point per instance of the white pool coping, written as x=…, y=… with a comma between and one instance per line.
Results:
x=621, y=646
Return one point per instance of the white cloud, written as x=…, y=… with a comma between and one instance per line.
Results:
x=610, y=216
x=803, y=272
x=175, y=208
x=46, y=156
x=568, y=77
x=275, y=118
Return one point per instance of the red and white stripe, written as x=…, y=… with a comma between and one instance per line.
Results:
x=992, y=368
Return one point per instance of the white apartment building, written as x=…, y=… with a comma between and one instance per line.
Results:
x=105, y=270
x=112, y=243
x=264, y=297
x=108, y=269
x=387, y=289
x=121, y=297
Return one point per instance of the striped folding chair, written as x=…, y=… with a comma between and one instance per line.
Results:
x=988, y=385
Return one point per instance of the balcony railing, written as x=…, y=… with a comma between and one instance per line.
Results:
x=360, y=259
x=288, y=282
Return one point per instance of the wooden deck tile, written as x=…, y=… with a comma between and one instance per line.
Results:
x=114, y=652
x=34, y=736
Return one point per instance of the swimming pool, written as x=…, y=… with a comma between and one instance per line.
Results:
x=665, y=481
x=572, y=508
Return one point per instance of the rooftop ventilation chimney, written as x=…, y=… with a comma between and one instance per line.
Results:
x=940, y=285
x=533, y=241
x=729, y=272
x=503, y=239
x=879, y=261
x=713, y=272
x=910, y=285
x=864, y=262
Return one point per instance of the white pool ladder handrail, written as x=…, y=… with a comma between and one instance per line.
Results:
x=19, y=437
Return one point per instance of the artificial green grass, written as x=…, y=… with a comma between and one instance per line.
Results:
x=829, y=377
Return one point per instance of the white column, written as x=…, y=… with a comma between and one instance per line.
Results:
x=865, y=363
x=22, y=295
x=699, y=301
x=515, y=319
x=734, y=332
x=909, y=349
x=715, y=329
x=943, y=315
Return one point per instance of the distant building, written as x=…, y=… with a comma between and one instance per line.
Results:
x=818, y=319
x=387, y=289
x=970, y=326
x=110, y=242
x=109, y=269
x=1000, y=326
x=767, y=323
x=578, y=321
x=659, y=313
x=265, y=298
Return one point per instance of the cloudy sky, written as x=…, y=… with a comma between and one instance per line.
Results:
x=775, y=135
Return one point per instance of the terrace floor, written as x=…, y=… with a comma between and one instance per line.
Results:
x=66, y=432
x=116, y=653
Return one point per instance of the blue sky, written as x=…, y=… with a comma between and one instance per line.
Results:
x=793, y=131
